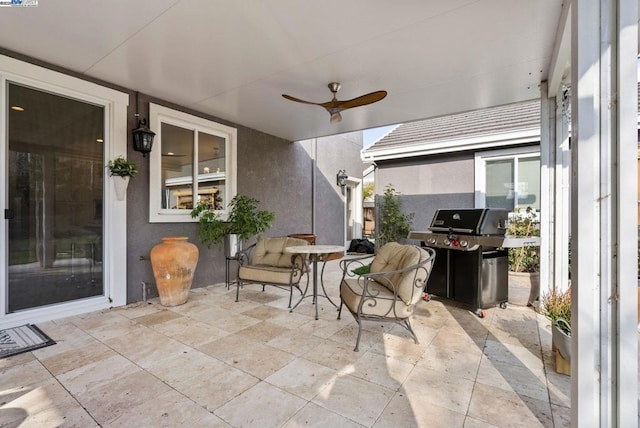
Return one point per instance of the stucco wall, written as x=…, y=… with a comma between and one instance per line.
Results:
x=333, y=154
x=428, y=184
x=277, y=172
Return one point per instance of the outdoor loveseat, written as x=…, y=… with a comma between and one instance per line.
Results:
x=389, y=288
x=267, y=263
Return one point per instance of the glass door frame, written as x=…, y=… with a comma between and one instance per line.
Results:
x=115, y=105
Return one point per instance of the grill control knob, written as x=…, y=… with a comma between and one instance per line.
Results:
x=446, y=241
x=432, y=241
x=464, y=244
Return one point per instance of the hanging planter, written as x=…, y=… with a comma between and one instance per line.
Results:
x=121, y=170
x=120, y=186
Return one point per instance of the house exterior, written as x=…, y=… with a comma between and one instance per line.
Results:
x=483, y=158
x=73, y=247
x=497, y=62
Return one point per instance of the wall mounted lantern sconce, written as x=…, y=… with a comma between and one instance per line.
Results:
x=143, y=138
x=341, y=179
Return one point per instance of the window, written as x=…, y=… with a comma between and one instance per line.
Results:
x=192, y=159
x=508, y=179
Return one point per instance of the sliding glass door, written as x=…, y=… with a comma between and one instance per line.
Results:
x=54, y=188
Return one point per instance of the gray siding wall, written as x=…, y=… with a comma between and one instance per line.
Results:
x=428, y=184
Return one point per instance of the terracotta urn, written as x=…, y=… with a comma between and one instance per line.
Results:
x=174, y=262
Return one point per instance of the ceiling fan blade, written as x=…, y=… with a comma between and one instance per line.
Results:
x=362, y=100
x=335, y=106
x=298, y=100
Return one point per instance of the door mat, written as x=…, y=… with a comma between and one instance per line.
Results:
x=21, y=339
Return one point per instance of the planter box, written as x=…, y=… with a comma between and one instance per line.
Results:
x=562, y=366
x=524, y=288
x=561, y=344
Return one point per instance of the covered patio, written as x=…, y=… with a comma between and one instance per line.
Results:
x=214, y=362
x=231, y=62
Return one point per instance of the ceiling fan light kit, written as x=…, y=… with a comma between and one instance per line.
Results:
x=335, y=106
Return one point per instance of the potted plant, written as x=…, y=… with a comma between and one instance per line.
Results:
x=524, y=262
x=395, y=224
x=244, y=222
x=121, y=170
x=556, y=306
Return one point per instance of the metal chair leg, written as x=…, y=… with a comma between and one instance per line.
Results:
x=356, y=349
x=407, y=325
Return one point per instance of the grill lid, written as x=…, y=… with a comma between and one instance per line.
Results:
x=471, y=221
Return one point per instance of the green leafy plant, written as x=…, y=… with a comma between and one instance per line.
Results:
x=245, y=220
x=394, y=223
x=524, y=259
x=556, y=305
x=122, y=167
x=367, y=191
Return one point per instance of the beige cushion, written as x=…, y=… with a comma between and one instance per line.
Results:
x=383, y=305
x=394, y=256
x=268, y=274
x=270, y=251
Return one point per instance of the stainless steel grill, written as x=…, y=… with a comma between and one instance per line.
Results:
x=471, y=258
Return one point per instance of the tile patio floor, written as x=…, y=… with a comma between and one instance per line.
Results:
x=216, y=363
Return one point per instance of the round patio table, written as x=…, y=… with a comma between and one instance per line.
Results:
x=315, y=251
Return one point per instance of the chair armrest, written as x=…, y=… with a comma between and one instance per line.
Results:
x=244, y=256
x=348, y=265
x=300, y=261
x=383, y=278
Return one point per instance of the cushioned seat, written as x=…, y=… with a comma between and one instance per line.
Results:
x=267, y=263
x=392, y=287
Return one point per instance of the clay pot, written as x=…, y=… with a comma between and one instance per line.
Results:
x=174, y=262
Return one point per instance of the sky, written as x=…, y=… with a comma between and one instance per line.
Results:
x=372, y=135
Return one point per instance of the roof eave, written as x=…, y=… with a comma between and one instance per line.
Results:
x=453, y=145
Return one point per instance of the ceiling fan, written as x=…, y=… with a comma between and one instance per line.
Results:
x=335, y=106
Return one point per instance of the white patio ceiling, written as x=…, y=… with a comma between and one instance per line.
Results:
x=233, y=59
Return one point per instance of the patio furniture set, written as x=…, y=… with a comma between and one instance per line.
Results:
x=384, y=287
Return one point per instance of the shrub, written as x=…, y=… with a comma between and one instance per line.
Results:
x=245, y=220
x=556, y=306
x=394, y=223
x=524, y=259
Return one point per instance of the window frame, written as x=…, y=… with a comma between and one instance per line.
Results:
x=157, y=116
x=481, y=159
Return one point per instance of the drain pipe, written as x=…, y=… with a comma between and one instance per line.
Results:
x=314, y=179
x=144, y=290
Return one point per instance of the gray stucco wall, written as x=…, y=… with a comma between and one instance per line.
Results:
x=333, y=154
x=428, y=184
x=277, y=172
